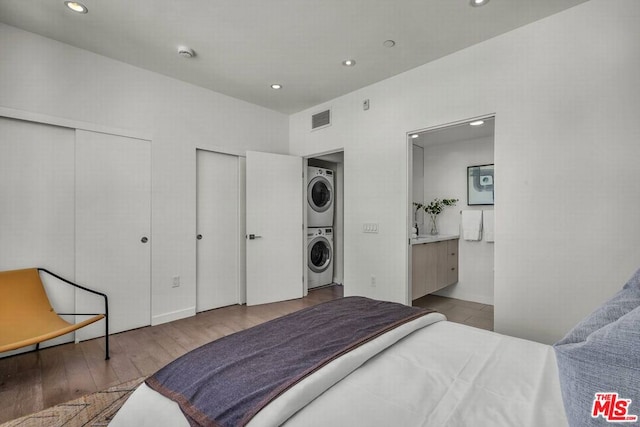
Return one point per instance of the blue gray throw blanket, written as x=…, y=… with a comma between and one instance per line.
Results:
x=228, y=381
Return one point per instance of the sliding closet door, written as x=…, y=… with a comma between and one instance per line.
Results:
x=113, y=225
x=36, y=196
x=218, y=225
x=37, y=205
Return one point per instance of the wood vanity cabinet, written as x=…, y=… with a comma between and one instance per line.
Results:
x=434, y=266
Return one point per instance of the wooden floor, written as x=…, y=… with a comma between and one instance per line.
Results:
x=33, y=381
x=460, y=311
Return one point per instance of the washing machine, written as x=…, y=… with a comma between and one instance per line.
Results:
x=319, y=256
x=320, y=197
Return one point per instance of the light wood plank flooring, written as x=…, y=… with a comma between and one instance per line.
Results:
x=33, y=381
x=459, y=311
x=30, y=382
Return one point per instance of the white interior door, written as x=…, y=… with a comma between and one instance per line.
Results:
x=275, y=250
x=37, y=193
x=113, y=225
x=218, y=230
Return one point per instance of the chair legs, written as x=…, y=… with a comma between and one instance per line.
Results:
x=106, y=338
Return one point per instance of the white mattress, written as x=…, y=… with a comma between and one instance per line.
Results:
x=444, y=374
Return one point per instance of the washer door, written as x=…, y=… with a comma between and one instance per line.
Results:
x=319, y=194
x=320, y=254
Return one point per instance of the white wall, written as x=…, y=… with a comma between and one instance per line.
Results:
x=43, y=76
x=566, y=98
x=445, y=176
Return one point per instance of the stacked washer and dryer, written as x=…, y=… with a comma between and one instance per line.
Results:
x=320, y=199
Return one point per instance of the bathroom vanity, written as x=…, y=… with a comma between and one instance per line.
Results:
x=434, y=263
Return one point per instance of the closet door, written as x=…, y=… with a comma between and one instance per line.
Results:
x=36, y=196
x=113, y=225
x=276, y=249
x=218, y=228
x=37, y=206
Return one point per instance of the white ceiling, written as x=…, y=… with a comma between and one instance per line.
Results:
x=243, y=46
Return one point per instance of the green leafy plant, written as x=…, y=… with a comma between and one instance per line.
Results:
x=435, y=208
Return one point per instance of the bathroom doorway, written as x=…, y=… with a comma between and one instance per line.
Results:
x=439, y=159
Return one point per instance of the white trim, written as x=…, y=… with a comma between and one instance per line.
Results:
x=70, y=123
x=173, y=315
x=457, y=122
x=223, y=150
x=323, y=153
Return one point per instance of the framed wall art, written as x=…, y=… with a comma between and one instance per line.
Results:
x=480, y=184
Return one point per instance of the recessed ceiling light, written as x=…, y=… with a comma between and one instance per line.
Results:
x=415, y=135
x=276, y=86
x=186, y=52
x=76, y=7
x=477, y=123
x=349, y=62
x=389, y=43
x=476, y=3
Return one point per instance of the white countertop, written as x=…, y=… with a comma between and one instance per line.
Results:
x=428, y=238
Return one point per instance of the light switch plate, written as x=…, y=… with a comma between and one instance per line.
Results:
x=370, y=227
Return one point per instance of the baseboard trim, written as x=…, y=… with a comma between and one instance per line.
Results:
x=174, y=315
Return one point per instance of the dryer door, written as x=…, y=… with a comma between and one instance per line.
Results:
x=319, y=194
x=319, y=254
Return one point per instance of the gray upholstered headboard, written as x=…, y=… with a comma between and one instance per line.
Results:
x=599, y=362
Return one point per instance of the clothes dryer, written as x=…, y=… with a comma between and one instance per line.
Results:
x=319, y=256
x=320, y=197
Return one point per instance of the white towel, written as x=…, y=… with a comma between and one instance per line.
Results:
x=487, y=226
x=472, y=225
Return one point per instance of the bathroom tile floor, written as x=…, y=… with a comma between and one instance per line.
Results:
x=459, y=311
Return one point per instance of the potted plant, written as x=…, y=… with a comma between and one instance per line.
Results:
x=434, y=208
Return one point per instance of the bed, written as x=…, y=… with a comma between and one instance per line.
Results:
x=427, y=371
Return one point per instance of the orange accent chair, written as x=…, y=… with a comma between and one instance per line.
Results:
x=26, y=315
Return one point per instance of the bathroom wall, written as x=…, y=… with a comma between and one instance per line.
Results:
x=445, y=176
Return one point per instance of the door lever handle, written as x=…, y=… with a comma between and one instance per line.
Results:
x=253, y=237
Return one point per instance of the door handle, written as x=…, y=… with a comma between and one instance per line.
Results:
x=144, y=239
x=199, y=237
x=253, y=237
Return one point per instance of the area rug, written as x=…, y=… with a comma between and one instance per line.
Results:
x=96, y=409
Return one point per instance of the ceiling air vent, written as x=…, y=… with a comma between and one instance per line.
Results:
x=321, y=120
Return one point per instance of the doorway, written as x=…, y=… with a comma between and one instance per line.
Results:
x=438, y=162
x=319, y=247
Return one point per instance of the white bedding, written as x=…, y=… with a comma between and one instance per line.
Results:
x=444, y=374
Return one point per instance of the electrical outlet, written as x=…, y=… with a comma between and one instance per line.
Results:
x=175, y=282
